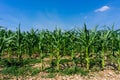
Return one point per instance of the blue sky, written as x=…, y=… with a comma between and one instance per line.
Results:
x=66, y=14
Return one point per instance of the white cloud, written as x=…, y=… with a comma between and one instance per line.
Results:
x=102, y=9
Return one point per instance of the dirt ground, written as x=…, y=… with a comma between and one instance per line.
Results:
x=101, y=75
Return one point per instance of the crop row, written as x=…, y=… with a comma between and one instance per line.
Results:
x=83, y=47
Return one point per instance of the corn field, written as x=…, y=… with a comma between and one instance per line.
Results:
x=84, y=48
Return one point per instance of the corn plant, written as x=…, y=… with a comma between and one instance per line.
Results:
x=104, y=37
x=87, y=39
x=72, y=46
x=18, y=43
x=9, y=46
x=113, y=39
x=41, y=47
x=2, y=39
x=49, y=44
x=118, y=49
x=57, y=41
x=32, y=41
x=5, y=40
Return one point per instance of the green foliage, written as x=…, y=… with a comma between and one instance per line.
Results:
x=35, y=71
x=70, y=51
x=16, y=71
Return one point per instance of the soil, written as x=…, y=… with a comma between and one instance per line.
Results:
x=107, y=74
x=101, y=75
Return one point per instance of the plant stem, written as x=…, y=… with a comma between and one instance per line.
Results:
x=87, y=58
x=103, y=60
